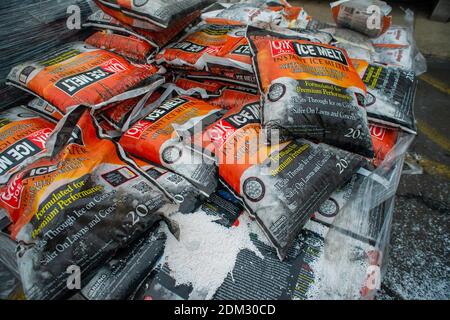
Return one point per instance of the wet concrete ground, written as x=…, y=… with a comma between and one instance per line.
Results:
x=419, y=258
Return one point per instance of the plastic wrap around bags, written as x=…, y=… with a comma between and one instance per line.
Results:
x=397, y=47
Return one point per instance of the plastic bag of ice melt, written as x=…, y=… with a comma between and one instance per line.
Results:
x=390, y=95
x=270, y=179
x=77, y=73
x=310, y=90
x=370, y=17
x=101, y=20
x=154, y=138
x=155, y=15
x=134, y=49
x=75, y=205
x=210, y=47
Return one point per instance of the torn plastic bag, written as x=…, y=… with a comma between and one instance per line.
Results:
x=280, y=14
x=101, y=20
x=390, y=95
x=290, y=279
x=120, y=277
x=342, y=261
x=22, y=134
x=310, y=90
x=120, y=115
x=134, y=49
x=155, y=15
x=188, y=196
x=155, y=139
x=61, y=202
x=81, y=74
x=370, y=17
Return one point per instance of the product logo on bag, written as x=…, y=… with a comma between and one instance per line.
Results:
x=71, y=85
x=225, y=127
x=189, y=47
x=139, y=127
x=242, y=50
x=307, y=50
x=377, y=132
x=279, y=47
x=248, y=114
x=23, y=149
x=11, y=196
x=165, y=108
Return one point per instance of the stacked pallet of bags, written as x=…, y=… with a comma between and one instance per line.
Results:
x=169, y=145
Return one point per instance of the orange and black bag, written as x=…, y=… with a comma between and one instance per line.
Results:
x=155, y=138
x=22, y=135
x=310, y=90
x=103, y=21
x=155, y=15
x=74, y=206
x=281, y=185
x=132, y=48
x=220, y=50
x=78, y=73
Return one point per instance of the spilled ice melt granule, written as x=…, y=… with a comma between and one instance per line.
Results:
x=206, y=252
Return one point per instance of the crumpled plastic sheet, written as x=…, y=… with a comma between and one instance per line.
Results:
x=30, y=27
x=367, y=216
